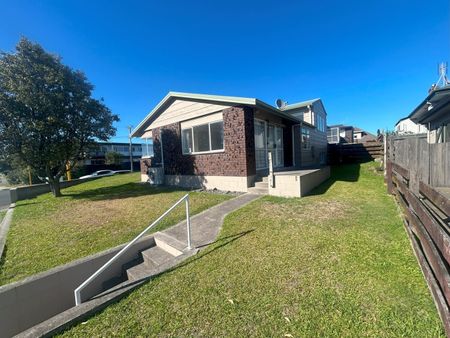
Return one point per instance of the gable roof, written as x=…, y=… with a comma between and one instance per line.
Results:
x=436, y=99
x=299, y=104
x=233, y=100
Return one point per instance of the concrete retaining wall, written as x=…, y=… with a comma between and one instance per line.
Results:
x=298, y=183
x=28, y=302
x=23, y=193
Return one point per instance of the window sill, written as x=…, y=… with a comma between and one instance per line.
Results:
x=205, y=152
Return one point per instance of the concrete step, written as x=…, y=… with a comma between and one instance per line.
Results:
x=265, y=179
x=259, y=191
x=169, y=244
x=262, y=185
x=139, y=271
x=156, y=256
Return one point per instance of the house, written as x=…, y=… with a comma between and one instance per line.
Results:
x=434, y=113
x=340, y=133
x=362, y=136
x=97, y=155
x=224, y=142
x=406, y=126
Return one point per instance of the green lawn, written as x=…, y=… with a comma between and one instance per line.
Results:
x=334, y=264
x=93, y=216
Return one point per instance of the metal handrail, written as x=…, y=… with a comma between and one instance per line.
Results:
x=185, y=198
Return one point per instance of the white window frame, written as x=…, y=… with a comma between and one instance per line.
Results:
x=331, y=134
x=209, y=136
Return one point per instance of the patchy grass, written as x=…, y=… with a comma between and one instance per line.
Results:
x=93, y=216
x=335, y=264
x=2, y=214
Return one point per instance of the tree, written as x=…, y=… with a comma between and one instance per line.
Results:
x=48, y=118
x=113, y=157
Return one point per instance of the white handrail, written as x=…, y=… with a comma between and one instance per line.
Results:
x=185, y=198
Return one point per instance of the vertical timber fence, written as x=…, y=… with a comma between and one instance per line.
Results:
x=417, y=174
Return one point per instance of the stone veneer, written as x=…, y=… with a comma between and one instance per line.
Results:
x=237, y=159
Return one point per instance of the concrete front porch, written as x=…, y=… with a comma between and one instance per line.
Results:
x=297, y=183
x=290, y=183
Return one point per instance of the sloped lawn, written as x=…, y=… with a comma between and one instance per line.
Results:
x=335, y=264
x=93, y=216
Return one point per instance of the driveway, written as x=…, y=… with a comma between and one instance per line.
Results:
x=4, y=198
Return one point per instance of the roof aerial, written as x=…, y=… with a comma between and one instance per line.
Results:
x=443, y=80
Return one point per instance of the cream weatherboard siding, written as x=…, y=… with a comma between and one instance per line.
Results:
x=182, y=110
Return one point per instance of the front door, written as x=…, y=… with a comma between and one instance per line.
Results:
x=268, y=137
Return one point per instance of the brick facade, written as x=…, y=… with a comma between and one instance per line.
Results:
x=237, y=159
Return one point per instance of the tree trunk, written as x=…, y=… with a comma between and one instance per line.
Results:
x=55, y=187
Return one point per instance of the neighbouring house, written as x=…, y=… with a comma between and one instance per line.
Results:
x=224, y=142
x=434, y=113
x=362, y=136
x=97, y=154
x=406, y=126
x=340, y=133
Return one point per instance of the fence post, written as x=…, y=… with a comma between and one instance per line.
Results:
x=384, y=152
x=389, y=177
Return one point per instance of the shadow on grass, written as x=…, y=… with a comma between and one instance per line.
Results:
x=120, y=191
x=344, y=173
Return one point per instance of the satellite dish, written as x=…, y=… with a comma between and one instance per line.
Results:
x=280, y=103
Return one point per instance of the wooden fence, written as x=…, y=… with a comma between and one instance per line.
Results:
x=354, y=152
x=428, y=163
x=427, y=222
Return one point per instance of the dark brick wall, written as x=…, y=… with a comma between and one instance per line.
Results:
x=237, y=159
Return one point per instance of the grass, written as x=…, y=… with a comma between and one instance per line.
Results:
x=91, y=217
x=2, y=214
x=337, y=263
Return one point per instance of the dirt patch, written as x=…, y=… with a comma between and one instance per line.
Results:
x=92, y=213
x=319, y=211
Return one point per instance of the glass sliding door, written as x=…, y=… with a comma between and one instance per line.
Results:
x=260, y=145
x=268, y=137
x=275, y=144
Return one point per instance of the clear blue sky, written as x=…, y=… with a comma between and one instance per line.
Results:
x=371, y=62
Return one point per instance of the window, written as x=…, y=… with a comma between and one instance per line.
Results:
x=202, y=138
x=306, y=144
x=216, y=131
x=186, y=140
x=333, y=135
x=321, y=123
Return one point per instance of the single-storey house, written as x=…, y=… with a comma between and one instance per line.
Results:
x=224, y=142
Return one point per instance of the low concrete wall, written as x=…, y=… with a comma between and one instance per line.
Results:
x=23, y=193
x=28, y=302
x=298, y=183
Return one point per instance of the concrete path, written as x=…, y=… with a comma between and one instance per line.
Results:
x=206, y=226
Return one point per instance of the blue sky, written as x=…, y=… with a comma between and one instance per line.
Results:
x=371, y=62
